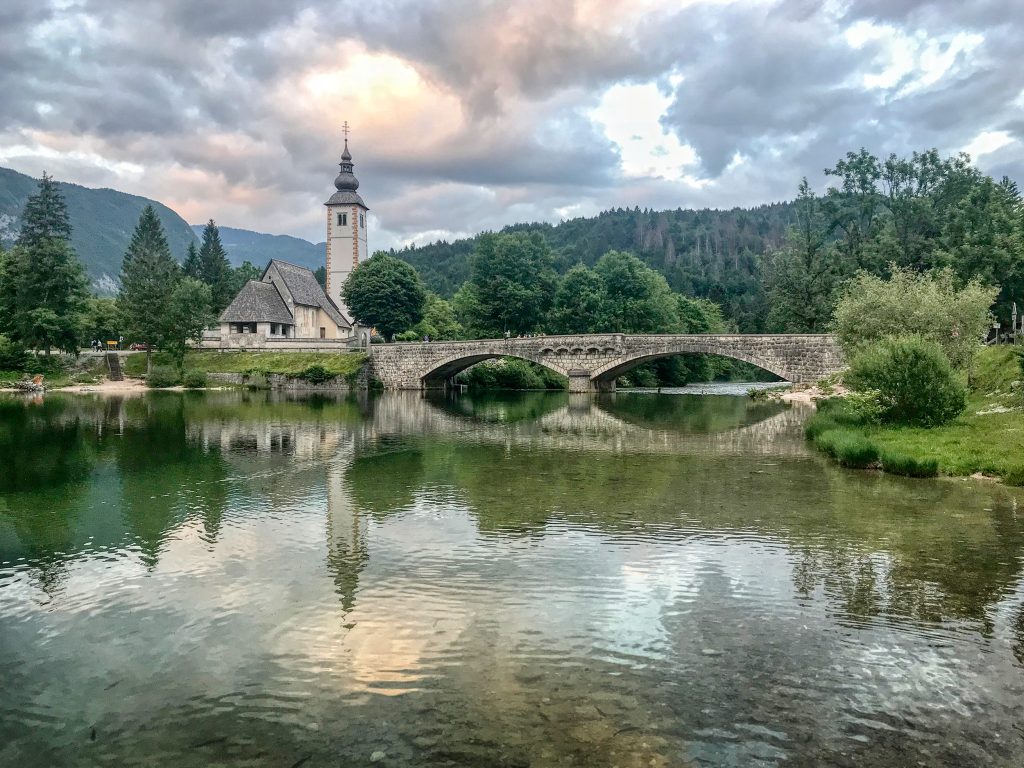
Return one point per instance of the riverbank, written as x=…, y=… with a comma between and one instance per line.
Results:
x=984, y=441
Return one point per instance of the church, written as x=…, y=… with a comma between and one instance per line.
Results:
x=287, y=306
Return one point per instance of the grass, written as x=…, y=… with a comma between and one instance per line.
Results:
x=58, y=370
x=287, y=363
x=849, y=447
x=986, y=438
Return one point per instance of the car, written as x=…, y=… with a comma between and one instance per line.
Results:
x=139, y=347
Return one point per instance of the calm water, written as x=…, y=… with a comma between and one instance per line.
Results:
x=534, y=580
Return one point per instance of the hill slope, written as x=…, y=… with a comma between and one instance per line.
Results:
x=711, y=253
x=102, y=221
x=258, y=248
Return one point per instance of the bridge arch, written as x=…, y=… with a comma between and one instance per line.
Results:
x=608, y=373
x=441, y=371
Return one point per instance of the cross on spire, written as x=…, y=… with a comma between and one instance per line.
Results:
x=345, y=130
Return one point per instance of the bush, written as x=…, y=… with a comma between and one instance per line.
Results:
x=913, y=378
x=315, y=374
x=162, y=376
x=12, y=356
x=194, y=379
x=849, y=448
x=1014, y=475
x=510, y=373
x=896, y=463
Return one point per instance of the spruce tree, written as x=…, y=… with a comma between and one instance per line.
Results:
x=191, y=267
x=149, y=275
x=215, y=270
x=51, y=287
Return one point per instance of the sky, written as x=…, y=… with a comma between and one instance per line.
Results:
x=468, y=115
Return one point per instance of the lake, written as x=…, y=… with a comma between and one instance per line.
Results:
x=523, y=579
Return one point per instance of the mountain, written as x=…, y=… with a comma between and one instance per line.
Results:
x=258, y=248
x=709, y=253
x=102, y=222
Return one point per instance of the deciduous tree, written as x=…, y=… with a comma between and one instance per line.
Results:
x=386, y=293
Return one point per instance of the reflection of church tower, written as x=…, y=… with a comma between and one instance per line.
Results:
x=346, y=228
x=346, y=535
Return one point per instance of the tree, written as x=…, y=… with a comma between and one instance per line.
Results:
x=912, y=380
x=636, y=299
x=386, y=293
x=439, y=321
x=320, y=273
x=189, y=312
x=513, y=283
x=214, y=268
x=101, y=320
x=149, y=275
x=579, y=302
x=801, y=278
x=192, y=266
x=49, y=285
x=242, y=274
x=930, y=305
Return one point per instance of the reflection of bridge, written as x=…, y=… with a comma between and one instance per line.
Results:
x=593, y=362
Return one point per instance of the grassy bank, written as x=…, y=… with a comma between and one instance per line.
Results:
x=57, y=370
x=286, y=363
x=986, y=438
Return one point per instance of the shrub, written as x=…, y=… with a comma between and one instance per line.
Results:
x=1014, y=475
x=315, y=374
x=849, y=448
x=194, y=379
x=12, y=356
x=408, y=336
x=897, y=463
x=510, y=373
x=162, y=376
x=913, y=378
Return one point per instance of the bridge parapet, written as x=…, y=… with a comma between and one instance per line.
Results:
x=594, y=361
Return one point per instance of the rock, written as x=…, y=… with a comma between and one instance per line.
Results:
x=710, y=652
x=377, y=756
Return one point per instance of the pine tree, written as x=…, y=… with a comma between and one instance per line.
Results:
x=191, y=267
x=149, y=275
x=214, y=268
x=50, y=286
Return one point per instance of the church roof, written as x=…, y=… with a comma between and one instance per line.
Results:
x=346, y=197
x=257, y=303
x=304, y=289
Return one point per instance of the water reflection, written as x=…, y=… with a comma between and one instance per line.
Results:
x=542, y=579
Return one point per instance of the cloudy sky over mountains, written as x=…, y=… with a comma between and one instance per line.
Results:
x=469, y=114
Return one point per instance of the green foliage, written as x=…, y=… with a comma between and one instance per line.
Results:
x=579, y=303
x=637, y=299
x=241, y=275
x=914, y=381
x=511, y=373
x=12, y=355
x=192, y=267
x=187, y=315
x=101, y=321
x=385, y=293
x=315, y=374
x=848, y=447
x=908, y=303
x=149, y=275
x=215, y=270
x=511, y=286
x=42, y=282
x=194, y=379
x=163, y=376
x=801, y=278
x=898, y=463
x=439, y=321
x=1013, y=475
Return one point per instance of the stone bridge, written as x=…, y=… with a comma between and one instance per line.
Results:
x=593, y=362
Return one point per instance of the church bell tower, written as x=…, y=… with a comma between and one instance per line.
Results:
x=346, y=228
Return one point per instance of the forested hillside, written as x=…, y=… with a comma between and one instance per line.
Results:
x=102, y=222
x=257, y=248
x=708, y=253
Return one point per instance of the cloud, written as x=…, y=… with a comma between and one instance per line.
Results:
x=470, y=114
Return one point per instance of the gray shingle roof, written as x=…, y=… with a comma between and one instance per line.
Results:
x=346, y=197
x=302, y=285
x=257, y=303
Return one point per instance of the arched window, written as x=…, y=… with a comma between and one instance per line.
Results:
x=342, y=219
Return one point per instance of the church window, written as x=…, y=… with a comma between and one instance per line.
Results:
x=361, y=220
x=342, y=219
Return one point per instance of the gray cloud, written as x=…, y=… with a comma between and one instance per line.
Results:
x=206, y=98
